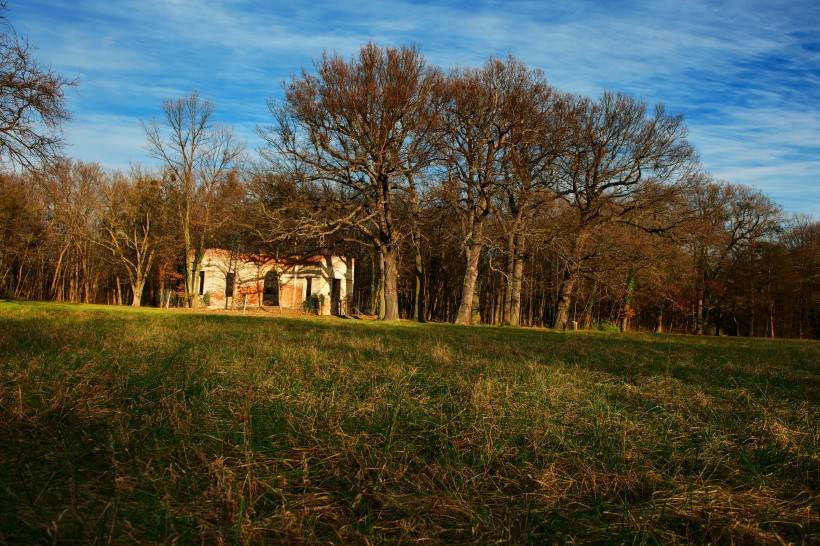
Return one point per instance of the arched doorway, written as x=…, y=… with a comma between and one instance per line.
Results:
x=270, y=295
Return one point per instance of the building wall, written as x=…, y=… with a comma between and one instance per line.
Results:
x=249, y=279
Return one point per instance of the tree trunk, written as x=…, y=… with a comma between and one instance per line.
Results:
x=475, y=313
x=161, y=288
x=567, y=287
x=589, y=308
x=374, y=287
x=137, y=287
x=771, y=318
x=659, y=327
x=379, y=299
x=565, y=298
x=514, y=318
x=190, y=258
x=507, y=311
x=136, y=290
x=391, y=291
x=700, y=308
x=56, y=279
x=419, y=295
x=199, y=253
x=468, y=294
x=190, y=281
x=630, y=291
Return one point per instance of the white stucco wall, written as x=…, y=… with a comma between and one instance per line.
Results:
x=250, y=273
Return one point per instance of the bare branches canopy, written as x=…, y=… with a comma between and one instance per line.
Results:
x=32, y=104
x=198, y=156
x=369, y=126
x=468, y=195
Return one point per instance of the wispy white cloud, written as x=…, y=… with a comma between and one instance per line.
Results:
x=117, y=141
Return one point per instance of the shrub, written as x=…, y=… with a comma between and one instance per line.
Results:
x=312, y=304
x=607, y=326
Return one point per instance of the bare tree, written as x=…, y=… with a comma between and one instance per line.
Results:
x=618, y=163
x=528, y=185
x=483, y=107
x=368, y=126
x=22, y=234
x=727, y=219
x=32, y=104
x=73, y=191
x=130, y=220
x=198, y=155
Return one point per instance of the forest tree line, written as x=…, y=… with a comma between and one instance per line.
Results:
x=467, y=195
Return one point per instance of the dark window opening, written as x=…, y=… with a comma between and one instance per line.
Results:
x=336, y=297
x=201, y=283
x=229, y=280
x=308, y=287
x=270, y=294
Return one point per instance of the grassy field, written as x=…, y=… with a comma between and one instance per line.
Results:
x=124, y=426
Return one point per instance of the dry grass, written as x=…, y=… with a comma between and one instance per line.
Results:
x=142, y=426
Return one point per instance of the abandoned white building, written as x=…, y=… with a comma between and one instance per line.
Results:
x=320, y=284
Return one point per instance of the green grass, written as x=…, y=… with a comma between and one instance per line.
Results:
x=143, y=426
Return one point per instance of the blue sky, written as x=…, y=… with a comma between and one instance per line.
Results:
x=746, y=75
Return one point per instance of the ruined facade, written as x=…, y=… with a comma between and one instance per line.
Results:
x=318, y=284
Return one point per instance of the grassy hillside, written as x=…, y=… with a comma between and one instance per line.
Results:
x=127, y=426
